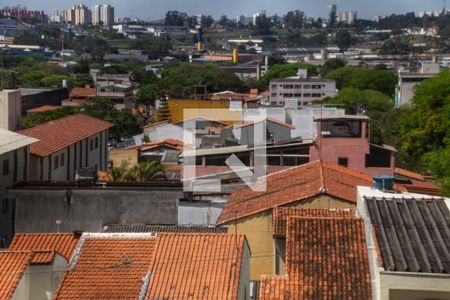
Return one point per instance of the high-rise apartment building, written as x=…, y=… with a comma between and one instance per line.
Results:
x=331, y=13
x=346, y=17
x=82, y=14
x=103, y=15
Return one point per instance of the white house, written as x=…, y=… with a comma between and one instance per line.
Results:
x=67, y=145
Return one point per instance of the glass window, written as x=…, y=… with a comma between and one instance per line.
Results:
x=55, y=162
x=96, y=142
x=343, y=161
x=62, y=159
x=350, y=129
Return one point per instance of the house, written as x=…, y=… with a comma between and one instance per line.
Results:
x=69, y=207
x=318, y=184
x=30, y=275
x=15, y=167
x=119, y=93
x=157, y=266
x=276, y=131
x=408, y=241
x=345, y=140
x=67, y=145
x=79, y=95
x=326, y=258
x=101, y=78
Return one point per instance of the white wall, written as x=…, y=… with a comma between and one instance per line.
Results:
x=10, y=109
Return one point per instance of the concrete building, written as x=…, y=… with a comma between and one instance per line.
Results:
x=37, y=97
x=103, y=15
x=331, y=13
x=257, y=15
x=67, y=207
x=14, y=162
x=120, y=94
x=10, y=109
x=82, y=14
x=67, y=145
x=299, y=92
x=407, y=237
x=346, y=17
x=407, y=81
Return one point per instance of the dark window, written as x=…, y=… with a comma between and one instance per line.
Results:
x=91, y=145
x=6, y=167
x=378, y=158
x=351, y=129
x=62, y=159
x=96, y=142
x=343, y=161
x=56, y=162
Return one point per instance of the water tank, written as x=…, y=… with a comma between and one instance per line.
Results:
x=383, y=182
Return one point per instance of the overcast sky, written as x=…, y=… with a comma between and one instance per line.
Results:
x=156, y=9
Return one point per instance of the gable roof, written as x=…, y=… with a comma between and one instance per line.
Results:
x=108, y=266
x=296, y=184
x=327, y=259
x=409, y=174
x=265, y=120
x=10, y=141
x=282, y=214
x=43, y=108
x=413, y=234
x=47, y=243
x=196, y=266
x=13, y=265
x=56, y=135
x=156, y=124
x=171, y=143
x=134, y=265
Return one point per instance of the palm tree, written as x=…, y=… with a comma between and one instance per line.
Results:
x=146, y=170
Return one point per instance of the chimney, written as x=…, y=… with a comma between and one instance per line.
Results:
x=77, y=233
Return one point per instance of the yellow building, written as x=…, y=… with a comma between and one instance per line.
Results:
x=177, y=106
x=313, y=185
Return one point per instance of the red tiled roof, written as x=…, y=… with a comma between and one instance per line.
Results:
x=56, y=135
x=45, y=244
x=266, y=119
x=108, y=268
x=175, y=266
x=43, y=108
x=196, y=266
x=13, y=265
x=327, y=259
x=409, y=174
x=156, y=124
x=282, y=214
x=274, y=287
x=296, y=184
x=83, y=92
x=423, y=187
x=171, y=143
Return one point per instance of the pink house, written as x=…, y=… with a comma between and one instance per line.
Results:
x=345, y=140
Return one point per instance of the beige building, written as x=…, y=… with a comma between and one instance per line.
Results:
x=10, y=109
x=14, y=163
x=67, y=145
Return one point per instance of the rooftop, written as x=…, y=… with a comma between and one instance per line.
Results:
x=296, y=184
x=344, y=117
x=10, y=141
x=163, y=228
x=63, y=243
x=268, y=119
x=13, y=265
x=83, y=92
x=274, y=287
x=43, y=108
x=327, y=259
x=412, y=233
x=282, y=214
x=302, y=80
x=56, y=135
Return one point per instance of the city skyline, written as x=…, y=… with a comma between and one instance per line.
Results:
x=155, y=10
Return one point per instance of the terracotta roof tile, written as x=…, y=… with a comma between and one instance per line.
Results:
x=43, y=108
x=197, y=266
x=108, y=267
x=274, y=287
x=282, y=214
x=46, y=243
x=409, y=174
x=13, y=265
x=295, y=184
x=327, y=259
x=56, y=135
x=83, y=92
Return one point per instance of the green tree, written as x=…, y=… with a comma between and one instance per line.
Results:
x=147, y=170
x=31, y=79
x=331, y=65
x=147, y=95
x=343, y=39
x=54, y=80
x=35, y=119
x=287, y=70
x=82, y=80
x=425, y=130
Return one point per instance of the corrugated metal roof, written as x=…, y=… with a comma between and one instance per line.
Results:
x=413, y=234
x=10, y=141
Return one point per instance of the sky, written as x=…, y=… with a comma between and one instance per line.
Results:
x=156, y=9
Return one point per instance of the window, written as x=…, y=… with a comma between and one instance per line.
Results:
x=6, y=167
x=62, y=159
x=5, y=203
x=349, y=129
x=343, y=161
x=91, y=145
x=96, y=142
x=56, y=162
x=307, y=87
